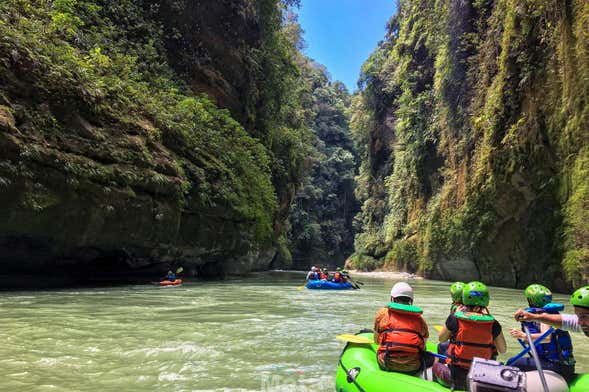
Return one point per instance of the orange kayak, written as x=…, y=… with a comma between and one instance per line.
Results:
x=171, y=282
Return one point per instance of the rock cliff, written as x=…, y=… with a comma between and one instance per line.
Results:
x=475, y=118
x=136, y=136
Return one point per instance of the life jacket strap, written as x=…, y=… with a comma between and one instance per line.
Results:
x=404, y=330
x=418, y=346
x=482, y=345
x=456, y=359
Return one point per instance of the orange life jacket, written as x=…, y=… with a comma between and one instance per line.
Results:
x=473, y=339
x=323, y=275
x=337, y=277
x=403, y=332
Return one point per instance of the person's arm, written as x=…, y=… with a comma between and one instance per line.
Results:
x=570, y=322
x=444, y=334
x=376, y=328
x=551, y=319
x=519, y=334
x=500, y=343
x=424, y=330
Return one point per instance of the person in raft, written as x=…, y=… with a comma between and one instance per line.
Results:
x=456, y=295
x=313, y=274
x=568, y=322
x=473, y=332
x=337, y=276
x=345, y=275
x=556, y=350
x=324, y=274
x=401, y=332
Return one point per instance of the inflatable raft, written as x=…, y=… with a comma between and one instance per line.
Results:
x=358, y=371
x=327, y=285
x=171, y=282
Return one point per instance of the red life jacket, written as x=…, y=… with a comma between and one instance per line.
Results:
x=337, y=277
x=403, y=332
x=473, y=339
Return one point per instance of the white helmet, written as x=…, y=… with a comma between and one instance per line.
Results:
x=313, y=268
x=402, y=289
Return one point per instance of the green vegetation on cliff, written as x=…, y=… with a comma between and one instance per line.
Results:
x=103, y=110
x=472, y=123
x=320, y=230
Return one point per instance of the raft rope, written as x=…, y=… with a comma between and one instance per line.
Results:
x=348, y=374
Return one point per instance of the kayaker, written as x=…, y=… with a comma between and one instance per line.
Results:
x=456, y=295
x=568, y=322
x=171, y=276
x=313, y=274
x=473, y=332
x=401, y=332
x=556, y=351
x=337, y=276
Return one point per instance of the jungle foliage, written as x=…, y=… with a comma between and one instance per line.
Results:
x=112, y=69
x=320, y=225
x=472, y=127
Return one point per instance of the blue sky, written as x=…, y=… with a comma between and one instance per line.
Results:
x=341, y=34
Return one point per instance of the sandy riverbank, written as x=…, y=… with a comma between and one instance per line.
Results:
x=385, y=274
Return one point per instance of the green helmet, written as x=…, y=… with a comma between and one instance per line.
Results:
x=581, y=297
x=338, y=269
x=456, y=291
x=475, y=294
x=538, y=296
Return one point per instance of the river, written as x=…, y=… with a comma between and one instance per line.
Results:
x=250, y=334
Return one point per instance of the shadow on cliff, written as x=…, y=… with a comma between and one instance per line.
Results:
x=30, y=264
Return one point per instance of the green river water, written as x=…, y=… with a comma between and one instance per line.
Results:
x=250, y=334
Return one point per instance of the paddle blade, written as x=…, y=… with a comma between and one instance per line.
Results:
x=179, y=270
x=301, y=287
x=353, y=339
x=438, y=328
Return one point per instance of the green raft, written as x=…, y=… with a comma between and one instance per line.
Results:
x=370, y=378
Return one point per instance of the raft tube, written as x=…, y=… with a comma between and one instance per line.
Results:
x=327, y=285
x=360, y=360
x=171, y=282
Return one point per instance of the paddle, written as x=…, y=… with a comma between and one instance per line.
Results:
x=437, y=355
x=536, y=359
x=301, y=287
x=438, y=328
x=527, y=349
x=349, y=338
x=354, y=283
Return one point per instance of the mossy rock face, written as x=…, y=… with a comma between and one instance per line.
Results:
x=44, y=207
x=488, y=118
x=112, y=158
x=7, y=121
